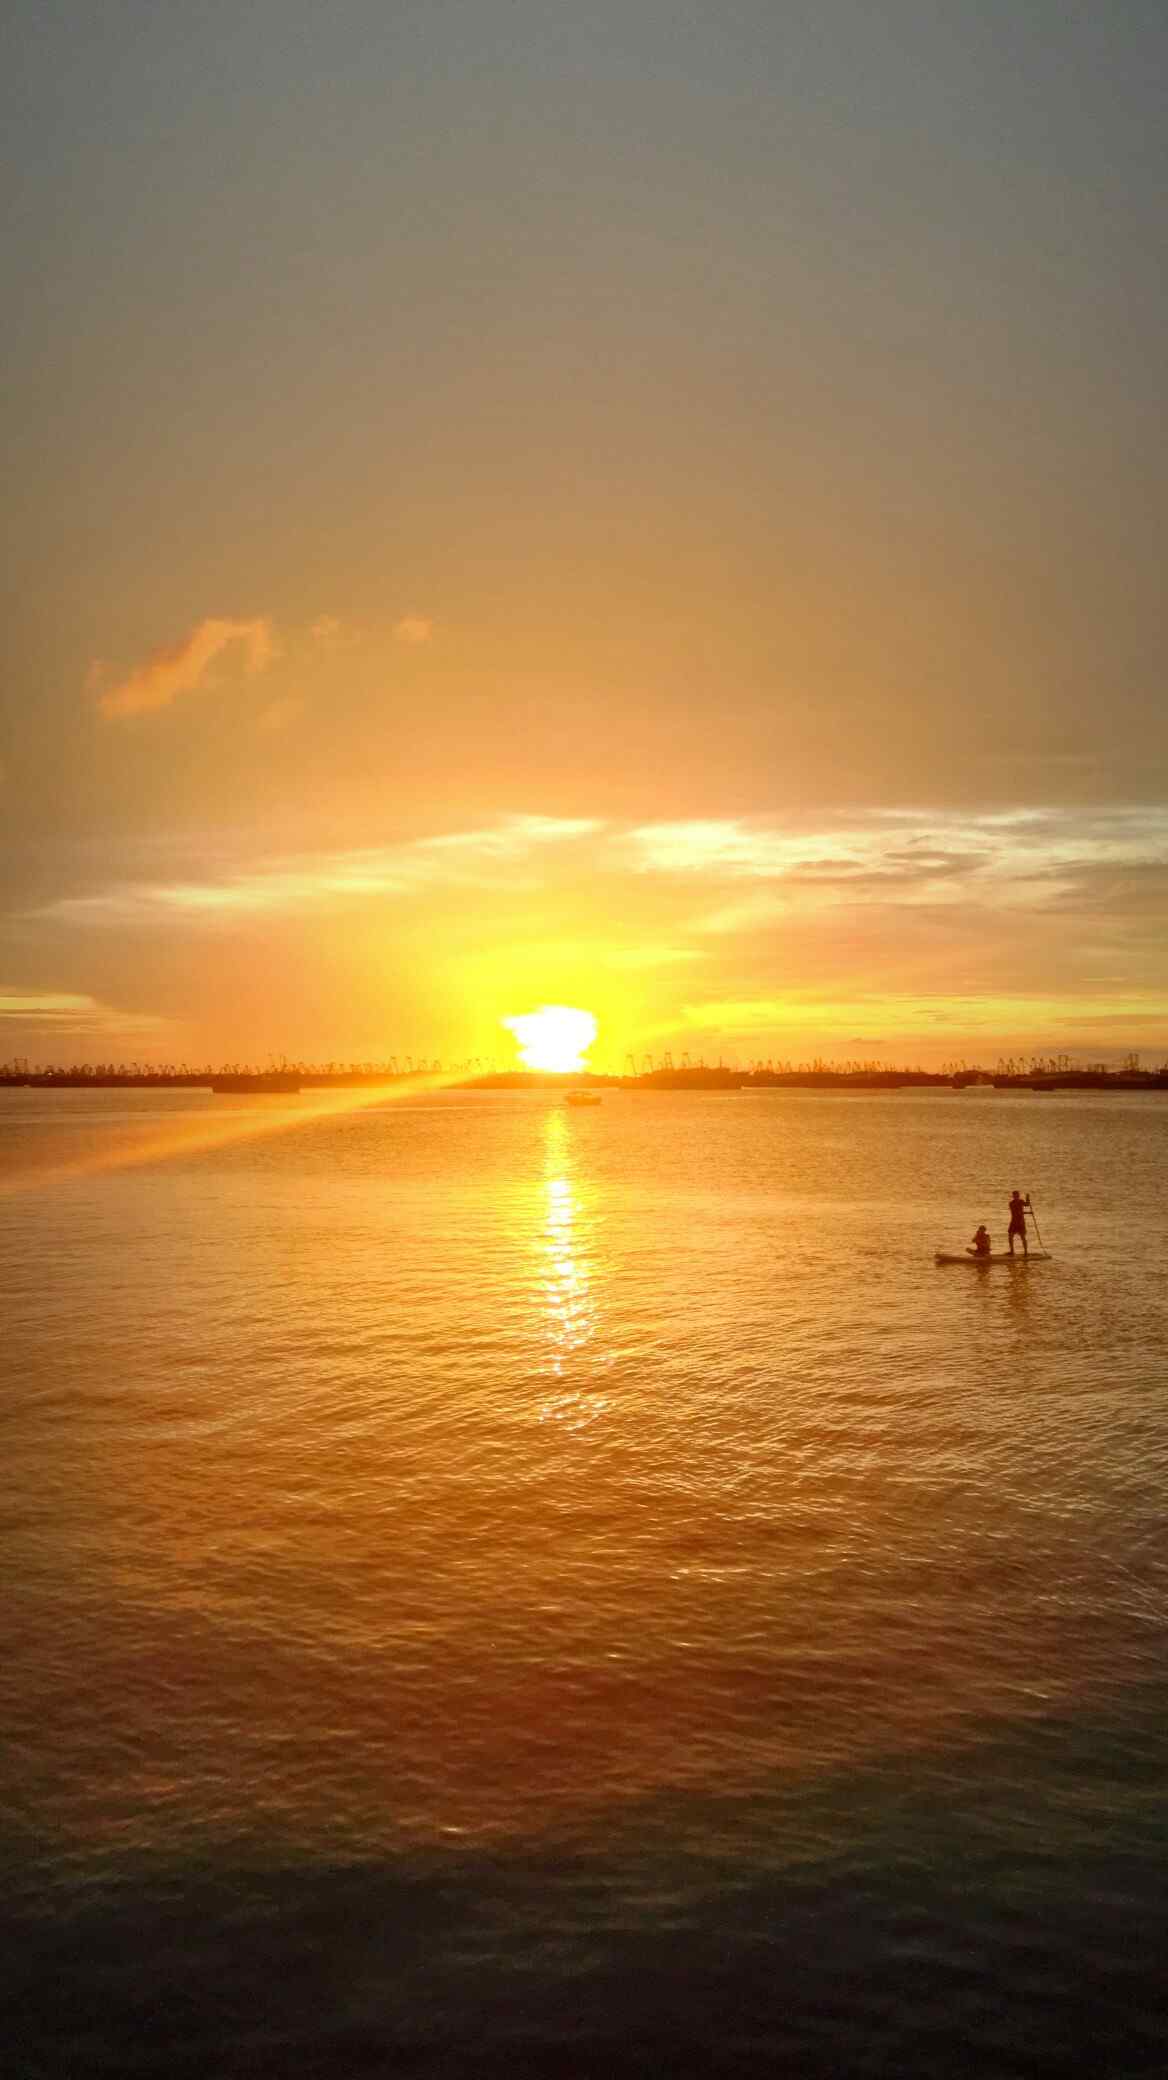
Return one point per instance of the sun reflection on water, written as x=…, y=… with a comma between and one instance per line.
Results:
x=565, y=1242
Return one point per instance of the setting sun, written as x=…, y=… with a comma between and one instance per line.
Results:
x=555, y=1037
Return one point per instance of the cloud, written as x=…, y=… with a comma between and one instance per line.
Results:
x=514, y=836
x=43, y=1004
x=413, y=629
x=907, y=857
x=180, y=667
x=754, y=914
x=312, y=881
x=741, y=850
x=330, y=634
x=708, y=846
x=64, y=1012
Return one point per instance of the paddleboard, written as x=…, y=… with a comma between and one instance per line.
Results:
x=994, y=1256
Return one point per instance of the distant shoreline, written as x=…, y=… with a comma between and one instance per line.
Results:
x=288, y=1082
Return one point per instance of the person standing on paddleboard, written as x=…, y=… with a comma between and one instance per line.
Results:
x=1018, y=1206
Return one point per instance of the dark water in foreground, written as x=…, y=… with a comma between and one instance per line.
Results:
x=494, y=1588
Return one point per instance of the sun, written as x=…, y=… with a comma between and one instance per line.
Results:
x=555, y=1037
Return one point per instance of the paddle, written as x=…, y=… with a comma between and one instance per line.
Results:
x=1034, y=1218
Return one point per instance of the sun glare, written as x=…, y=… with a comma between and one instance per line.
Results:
x=555, y=1037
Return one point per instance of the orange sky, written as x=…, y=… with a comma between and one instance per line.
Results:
x=650, y=509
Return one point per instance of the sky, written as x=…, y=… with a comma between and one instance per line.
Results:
x=644, y=506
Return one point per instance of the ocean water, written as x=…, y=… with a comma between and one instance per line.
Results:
x=497, y=1588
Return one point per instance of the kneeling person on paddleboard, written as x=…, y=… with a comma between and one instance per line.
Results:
x=1018, y=1206
x=981, y=1243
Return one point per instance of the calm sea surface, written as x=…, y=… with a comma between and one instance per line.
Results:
x=490, y=1587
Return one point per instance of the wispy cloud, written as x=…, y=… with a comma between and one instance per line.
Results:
x=181, y=667
x=312, y=881
x=513, y=838
x=65, y=1012
x=413, y=629
x=712, y=846
x=906, y=857
x=43, y=1004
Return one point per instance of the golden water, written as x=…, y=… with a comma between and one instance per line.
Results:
x=608, y=1523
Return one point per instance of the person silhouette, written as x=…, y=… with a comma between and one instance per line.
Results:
x=1018, y=1206
x=981, y=1245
